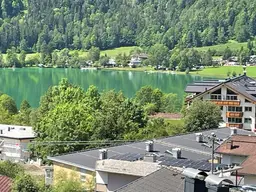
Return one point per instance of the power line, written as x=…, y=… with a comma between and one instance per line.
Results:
x=102, y=142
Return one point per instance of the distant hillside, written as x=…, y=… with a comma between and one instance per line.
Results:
x=79, y=24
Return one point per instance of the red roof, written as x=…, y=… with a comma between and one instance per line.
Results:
x=5, y=184
x=242, y=145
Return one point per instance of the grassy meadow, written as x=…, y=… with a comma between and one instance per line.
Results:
x=233, y=45
x=222, y=71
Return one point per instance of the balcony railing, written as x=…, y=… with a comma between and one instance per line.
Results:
x=234, y=114
x=237, y=125
x=226, y=102
x=224, y=99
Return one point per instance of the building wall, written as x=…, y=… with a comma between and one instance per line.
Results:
x=15, y=149
x=244, y=104
x=61, y=171
x=112, y=181
x=249, y=179
x=230, y=159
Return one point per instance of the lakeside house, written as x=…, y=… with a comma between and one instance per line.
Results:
x=14, y=142
x=235, y=96
x=135, y=62
x=114, y=167
x=111, y=63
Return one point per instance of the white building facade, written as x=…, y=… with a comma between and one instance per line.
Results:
x=236, y=98
x=14, y=141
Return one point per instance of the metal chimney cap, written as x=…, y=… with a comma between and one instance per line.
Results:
x=176, y=149
x=149, y=142
x=194, y=173
x=215, y=180
x=103, y=150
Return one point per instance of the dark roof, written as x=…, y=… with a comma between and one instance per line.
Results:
x=187, y=143
x=5, y=184
x=201, y=86
x=243, y=85
x=162, y=180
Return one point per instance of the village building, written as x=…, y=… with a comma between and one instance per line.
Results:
x=240, y=150
x=235, y=96
x=135, y=62
x=122, y=163
x=164, y=179
x=14, y=141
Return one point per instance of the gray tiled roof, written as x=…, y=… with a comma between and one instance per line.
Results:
x=190, y=149
x=241, y=84
x=162, y=180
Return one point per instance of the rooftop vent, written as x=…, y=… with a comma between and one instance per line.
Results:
x=233, y=131
x=176, y=152
x=103, y=154
x=199, y=137
x=150, y=158
x=150, y=146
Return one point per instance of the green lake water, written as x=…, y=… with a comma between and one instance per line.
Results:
x=32, y=83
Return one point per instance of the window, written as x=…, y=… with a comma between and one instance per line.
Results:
x=235, y=109
x=216, y=97
x=248, y=109
x=1, y=131
x=83, y=177
x=246, y=101
x=221, y=107
x=82, y=174
x=234, y=120
x=248, y=120
x=232, y=97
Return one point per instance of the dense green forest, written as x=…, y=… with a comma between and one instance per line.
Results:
x=46, y=25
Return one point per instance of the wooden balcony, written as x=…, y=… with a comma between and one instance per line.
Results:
x=234, y=114
x=226, y=102
x=237, y=125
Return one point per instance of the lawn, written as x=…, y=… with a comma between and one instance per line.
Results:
x=144, y=68
x=222, y=71
x=111, y=52
x=114, y=52
x=233, y=45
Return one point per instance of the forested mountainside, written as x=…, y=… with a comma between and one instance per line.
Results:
x=80, y=24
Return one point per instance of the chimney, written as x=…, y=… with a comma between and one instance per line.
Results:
x=150, y=158
x=103, y=154
x=150, y=146
x=199, y=137
x=233, y=131
x=229, y=144
x=176, y=152
x=194, y=180
x=244, y=70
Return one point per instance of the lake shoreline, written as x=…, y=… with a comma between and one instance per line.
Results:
x=217, y=72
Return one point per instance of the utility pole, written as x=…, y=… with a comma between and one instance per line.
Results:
x=212, y=138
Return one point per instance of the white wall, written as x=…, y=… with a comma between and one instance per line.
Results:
x=229, y=159
x=15, y=131
x=113, y=180
x=244, y=104
x=249, y=179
